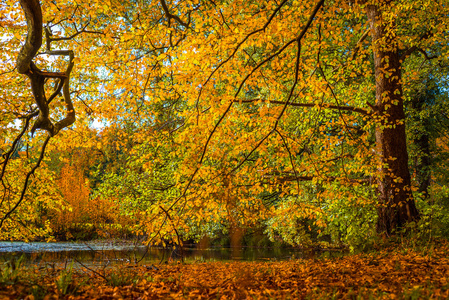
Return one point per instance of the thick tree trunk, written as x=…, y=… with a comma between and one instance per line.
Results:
x=396, y=203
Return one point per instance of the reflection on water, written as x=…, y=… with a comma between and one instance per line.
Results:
x=108, y=253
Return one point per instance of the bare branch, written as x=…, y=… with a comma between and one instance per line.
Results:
x=328, y=179
x=412, y=49
x=239, y=45
x=176, y=231
x=49, y=39
x=290, y=156
x=8, y=154
x=171, y=16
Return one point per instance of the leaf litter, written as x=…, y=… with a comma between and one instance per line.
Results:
x=387, y=274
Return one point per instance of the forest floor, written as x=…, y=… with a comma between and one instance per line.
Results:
x=395, y=273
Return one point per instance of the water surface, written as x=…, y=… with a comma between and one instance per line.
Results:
x=106, y=253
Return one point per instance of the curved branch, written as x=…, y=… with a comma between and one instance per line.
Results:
x=49, y=39
x=13, y=146
x=25, y=65
x=27, y=180
x=414, y=48
x=70, y=116
x=270, y=19
x=33, y=15
x=291, y=159
x=171, y=16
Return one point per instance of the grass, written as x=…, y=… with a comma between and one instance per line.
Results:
x=10, y=271
x=65, y=283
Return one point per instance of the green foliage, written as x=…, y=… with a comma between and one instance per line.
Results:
x=38, y=291
x=292, y=230
x=434, y=221
x=10, y=271
x=118, y=278
x=352, y=225
x=65, y=283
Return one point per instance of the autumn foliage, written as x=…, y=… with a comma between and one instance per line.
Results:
x=315, y=123
x=82, y=216
x=75, y=192
x=309, y=120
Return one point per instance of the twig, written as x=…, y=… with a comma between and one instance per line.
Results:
x=92, y=270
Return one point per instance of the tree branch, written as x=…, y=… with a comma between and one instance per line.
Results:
x=38, y=78
x=325, y=106
x=27, y=179
x=33, y=15
x=49, y=39
x=171, y=16
x=412, y=49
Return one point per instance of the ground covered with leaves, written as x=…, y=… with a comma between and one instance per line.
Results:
x=387, y=274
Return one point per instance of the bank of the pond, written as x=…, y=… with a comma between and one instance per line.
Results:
x=388, y=274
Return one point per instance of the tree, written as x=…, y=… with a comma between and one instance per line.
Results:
x=40, y=109
x=396, y=205
x=271, y=98
x=394, y=185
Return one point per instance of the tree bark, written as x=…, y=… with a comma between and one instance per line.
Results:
x=25, y=65
x=396, y=203
x=33, y=16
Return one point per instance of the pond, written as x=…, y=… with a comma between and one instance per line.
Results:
x=108, y=253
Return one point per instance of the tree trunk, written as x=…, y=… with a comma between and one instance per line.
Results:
x=396, y=203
